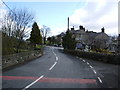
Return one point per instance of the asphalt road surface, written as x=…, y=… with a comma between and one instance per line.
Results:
x=55, y=69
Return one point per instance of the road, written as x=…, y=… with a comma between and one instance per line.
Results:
x=55, y=69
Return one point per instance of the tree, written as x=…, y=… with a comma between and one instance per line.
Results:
x=50, y=40
x=35, y=36
x=16, y=23
x=45, y=30
x=68, y=41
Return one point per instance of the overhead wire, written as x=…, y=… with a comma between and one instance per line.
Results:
x=7, y=6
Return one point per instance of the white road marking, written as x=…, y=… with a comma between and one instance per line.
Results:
x=33, y=82
x=87, y=63
x=99, y=79
x=83, y=60
x=91, y=66
x=52, y=66
x=94, y=71
x=54, y=54
x=56, y=58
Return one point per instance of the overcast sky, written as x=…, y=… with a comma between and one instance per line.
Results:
x=92, y=14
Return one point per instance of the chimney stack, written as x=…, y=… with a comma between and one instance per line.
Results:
x=81, y=27
x=72, y=28
x=103, y=30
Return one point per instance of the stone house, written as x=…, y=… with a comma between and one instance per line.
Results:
x=90, y=38
x=101, y=40
x=112, y=44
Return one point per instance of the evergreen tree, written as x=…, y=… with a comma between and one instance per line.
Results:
x=68, y=41
x=35, y=36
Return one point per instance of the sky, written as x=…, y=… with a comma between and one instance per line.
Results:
x=92, y=14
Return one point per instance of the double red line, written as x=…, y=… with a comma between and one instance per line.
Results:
x=51, y=80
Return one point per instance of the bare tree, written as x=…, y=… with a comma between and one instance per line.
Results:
x=16, y=22
x=45, y=31
x=7, y=24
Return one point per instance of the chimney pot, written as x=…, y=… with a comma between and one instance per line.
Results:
x=103, y=30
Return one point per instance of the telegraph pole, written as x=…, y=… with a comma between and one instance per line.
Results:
x=68, y=23
x=119, y=43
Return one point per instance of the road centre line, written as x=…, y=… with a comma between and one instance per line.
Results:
x=99, y=79
x=83, y=60
x=53, y=66
x=87, y=63
x=91, y=66
x=33, y=82
x=94, y=71
x=53, y=52
x=56, y=58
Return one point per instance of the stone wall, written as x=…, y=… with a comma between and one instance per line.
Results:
x=14, y=59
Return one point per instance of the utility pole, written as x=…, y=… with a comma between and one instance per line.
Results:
x=68, y=23
x=119, y=43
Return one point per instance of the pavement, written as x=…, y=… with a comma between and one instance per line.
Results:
x=56, y=69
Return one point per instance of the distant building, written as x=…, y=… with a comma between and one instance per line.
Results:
x=90, y=38
x=101, y=40
x=112, y=45
x=87, y=40
x=80, y=36
x=59, y=38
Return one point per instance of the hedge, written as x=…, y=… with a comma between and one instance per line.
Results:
x=108, y=58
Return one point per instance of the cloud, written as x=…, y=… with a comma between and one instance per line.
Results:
x=97, y=14
x=57, y=30
x=2, y=13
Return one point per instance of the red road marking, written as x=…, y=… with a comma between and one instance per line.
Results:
x=67, y=80
x=17, y=77
x=51, y=80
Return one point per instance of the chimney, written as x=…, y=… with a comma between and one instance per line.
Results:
x=84, y=28
x=72, y=28
x=102, y=30
x=80, y=27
